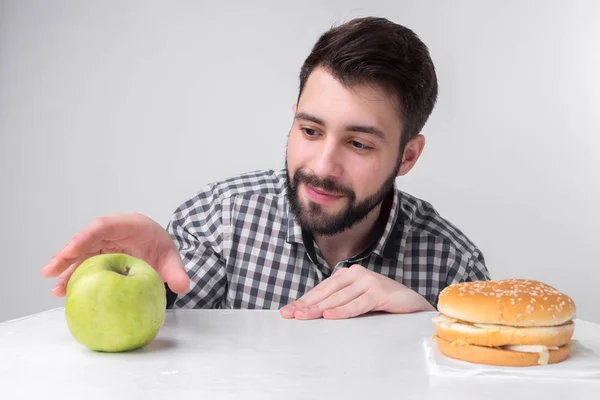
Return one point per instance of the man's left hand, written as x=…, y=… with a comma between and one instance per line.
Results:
x=353, y=291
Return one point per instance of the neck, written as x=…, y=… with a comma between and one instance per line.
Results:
x=356, y=239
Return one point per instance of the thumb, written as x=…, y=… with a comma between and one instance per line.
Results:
x=173, y=272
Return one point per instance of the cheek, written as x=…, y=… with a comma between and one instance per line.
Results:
x=363, y=178
x=295, y=151
x=367, y=175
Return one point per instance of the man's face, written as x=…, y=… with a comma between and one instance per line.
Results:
x=342, y=154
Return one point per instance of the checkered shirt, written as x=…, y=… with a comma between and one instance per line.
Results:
x=243, y=248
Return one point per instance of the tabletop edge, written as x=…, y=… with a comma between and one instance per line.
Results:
x=19, y=319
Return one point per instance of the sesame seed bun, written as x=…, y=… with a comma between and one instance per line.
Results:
x=514, y=302
x=513, y=322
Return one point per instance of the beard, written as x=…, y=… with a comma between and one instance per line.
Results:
x=313, y=218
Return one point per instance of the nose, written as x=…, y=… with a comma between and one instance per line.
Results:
x=327, y=161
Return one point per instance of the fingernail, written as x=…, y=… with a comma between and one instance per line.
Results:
x=289, y=308
x=59, y=284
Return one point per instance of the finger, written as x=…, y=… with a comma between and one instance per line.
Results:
x=172, y=270
x=60, y=287
x=340, y=279
x=89, y=239
x=57, y=264
x=288, y=311
x=329, y=286
x=361, y=305
x=337, y=299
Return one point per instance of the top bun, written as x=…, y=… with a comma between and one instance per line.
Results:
x=514, y=302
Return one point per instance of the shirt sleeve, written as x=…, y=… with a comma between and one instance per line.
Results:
x=471, y=268
x=476, y=268
x=197, y=230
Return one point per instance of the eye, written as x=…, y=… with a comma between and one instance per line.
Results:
x=360, y=146
x=309, y=132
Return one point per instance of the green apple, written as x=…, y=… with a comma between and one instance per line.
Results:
x=115, y=303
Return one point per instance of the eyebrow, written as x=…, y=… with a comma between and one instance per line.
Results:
x=350, y=128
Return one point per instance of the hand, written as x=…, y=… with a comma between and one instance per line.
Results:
x=353, y=291
x=133, y=234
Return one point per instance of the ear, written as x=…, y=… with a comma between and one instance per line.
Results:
x=412, y=152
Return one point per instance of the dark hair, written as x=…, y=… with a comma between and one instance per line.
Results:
x=377, y=51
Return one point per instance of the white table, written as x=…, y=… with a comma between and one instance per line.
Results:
x=214, y=354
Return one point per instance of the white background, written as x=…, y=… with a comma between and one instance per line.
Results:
x=122, y=106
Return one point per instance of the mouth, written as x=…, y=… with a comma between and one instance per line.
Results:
x=320, y=196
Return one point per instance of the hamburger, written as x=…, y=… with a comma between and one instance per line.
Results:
x=513, y=322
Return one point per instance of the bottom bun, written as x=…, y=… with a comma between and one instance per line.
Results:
x=499, y=357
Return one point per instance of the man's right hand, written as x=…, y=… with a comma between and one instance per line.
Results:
x=133, y=234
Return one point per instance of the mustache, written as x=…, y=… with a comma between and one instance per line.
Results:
x=328, y=184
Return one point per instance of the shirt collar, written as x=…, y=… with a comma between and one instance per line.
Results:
x=386, y=243
x=294, y=232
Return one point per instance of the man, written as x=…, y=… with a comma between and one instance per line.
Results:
x=330, y=235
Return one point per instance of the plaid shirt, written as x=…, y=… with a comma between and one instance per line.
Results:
x=242, y=247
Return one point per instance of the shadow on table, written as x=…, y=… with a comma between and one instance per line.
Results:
x=157, y=345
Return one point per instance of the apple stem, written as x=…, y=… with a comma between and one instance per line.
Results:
x=126, y=271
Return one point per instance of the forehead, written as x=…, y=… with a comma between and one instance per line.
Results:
x=362, y=104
